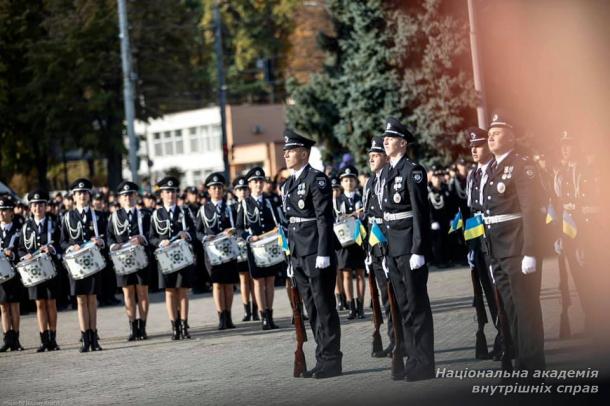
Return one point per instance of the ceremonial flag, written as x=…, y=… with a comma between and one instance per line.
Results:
x=569, y=225
x=551, y=214
x=456, y=223
x=474, y=228
x=359, y=232
x=376, y=236
x=283, y=241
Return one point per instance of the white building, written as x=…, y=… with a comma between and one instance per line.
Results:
x=190, y=141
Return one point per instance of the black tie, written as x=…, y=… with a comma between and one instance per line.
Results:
x=171, y=214
x=129, y=216
x=40, y=228
x=84, y=216
x=477, y=177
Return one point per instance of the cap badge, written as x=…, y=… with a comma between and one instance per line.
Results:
x=215, y=179
x=36, y=196
x=81, y=184
x=388, y=127
x=495, y=117
x=286, y=139
x=170, y=183
x=348, y=171
x=126, y=187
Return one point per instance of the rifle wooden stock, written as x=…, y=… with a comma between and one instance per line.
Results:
x=398, y=367
x=481, y=351
x=564, y=319
x=377, y=318
x=299, y=326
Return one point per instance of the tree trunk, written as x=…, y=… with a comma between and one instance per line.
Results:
x=114, y=166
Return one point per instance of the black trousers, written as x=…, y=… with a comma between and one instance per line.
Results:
x=382, y=287
x=521, y=296
x=483, y=277
x=317, y=288
x=410, y=287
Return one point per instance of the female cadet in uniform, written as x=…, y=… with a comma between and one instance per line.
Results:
x=168, y=223
x=130, y=225
x=11, y=290
x=257, y=216
x=350, y=259
x=242, y=192
x=213, y=218
x=79, y=226
x=40, y=232
x=339, y=291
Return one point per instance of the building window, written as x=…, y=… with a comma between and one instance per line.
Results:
x=157, y=144
x=168, y=142
x=194, y=140
x=179, y=142
x=197, y=178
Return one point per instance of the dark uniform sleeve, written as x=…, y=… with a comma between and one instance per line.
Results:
x=190, y=225
x=65, y=236
x=153, y=237
x=110, y=236
x=322, y=202
x=418, y=193
x=199, y=224
x=20, y=244
x=240, y=221
x=528, y=189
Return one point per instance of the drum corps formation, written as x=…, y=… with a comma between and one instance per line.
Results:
x=319, y=233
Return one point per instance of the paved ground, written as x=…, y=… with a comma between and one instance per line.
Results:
x=254, y=367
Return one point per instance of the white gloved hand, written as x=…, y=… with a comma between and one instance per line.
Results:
x=470, y=258
x=435, y=226
x=322, y=262
x=528, y=265
x=558, y=246
x=290, y=271
x=416, y=261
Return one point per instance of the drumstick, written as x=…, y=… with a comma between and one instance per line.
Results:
x=268, y=233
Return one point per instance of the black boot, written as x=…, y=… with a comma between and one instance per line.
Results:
x=85, y=341
x=8, y=339
x=52, y=342
x=228, y=319
x=175, y=330
x=133, y=330
x=247, y=313
x=264, y=321
x=338, y=300
x=142, y=329
x=222, y=324
x=481, y=351
x=352, y=310
x=270, y=319
x=343, y=302
x=255, y=312
x=16, y=346
x=95, y=345
x=360, y=303
x=44, y=341
x=184, y=330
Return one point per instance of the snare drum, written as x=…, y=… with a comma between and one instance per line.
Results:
x=130, y=258
x=36, y=270
x=243, y=250
x=6, y=269
x=84, y=262
x=267, y=251
x=221, y=249
x=174, y=257
x=344, y=230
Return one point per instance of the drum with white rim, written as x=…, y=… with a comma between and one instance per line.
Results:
x=267, y=251
x=36, y=270
x=87, y=261
x=128, y=259
x=243, y=250
x=344, y=230
x=6, y=269
x=175, y=256
x=221, y=249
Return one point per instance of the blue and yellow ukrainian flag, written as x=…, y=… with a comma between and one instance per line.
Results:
x=551, y=214
x=569, y=225
x=456, y=223
x=359, y=232
x=283, y=241
x=474, y=228
x=376, y=236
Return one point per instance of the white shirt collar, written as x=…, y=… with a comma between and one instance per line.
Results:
x=7, y=227
x=483, y=167
x=501, y=158
x=298, y=173
x=349, y=195
x=215, y=202
x=39, y=222
x=171, y=208
x=394, y=161
x=85, y=209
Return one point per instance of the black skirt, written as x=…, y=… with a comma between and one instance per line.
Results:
x=275, y=270
x=225, y=273
x=180, y=279
x=11, y=291
x=351, y=257
x=141, y=277
x=242, y=267
x=91, y=285
x=45, y=291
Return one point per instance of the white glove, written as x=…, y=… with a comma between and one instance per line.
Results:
x=470, y=258
x=416, y=261
x=558, y=246
x=367, y=263
x=435, y=226
x=322, y=262
x=290, y=271
x=528, y=265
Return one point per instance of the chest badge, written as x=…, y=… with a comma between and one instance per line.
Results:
x=501, y=187
x=397, y=198
x=301, y=204
x=301, y=189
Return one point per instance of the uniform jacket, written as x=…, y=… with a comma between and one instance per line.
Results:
x=118, y=230
x=77, y=230
x=10, y=240
x=212, y=219
x=372, y=209
x=254, y=218
x=164, y=228
x=30, y=239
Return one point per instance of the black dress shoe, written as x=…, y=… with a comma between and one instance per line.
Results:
x=326, y=373
x=386, y=352
x=414, y=376
x=309, y=374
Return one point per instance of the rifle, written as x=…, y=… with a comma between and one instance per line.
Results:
x=481, y=351
x=299, y=326
x=377, y=318
x=564, y=319
x=507, y=343
x=398, y=367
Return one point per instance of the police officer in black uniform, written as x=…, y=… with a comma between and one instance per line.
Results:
x=41, y=232
x=79, y=226
x=372, y=197
x=131, y=225
x=407, y=225
x=308, y=206
x=514, y=215
x=440, y=216
x=11, y=290
x=258, y=215
x=170, y=222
